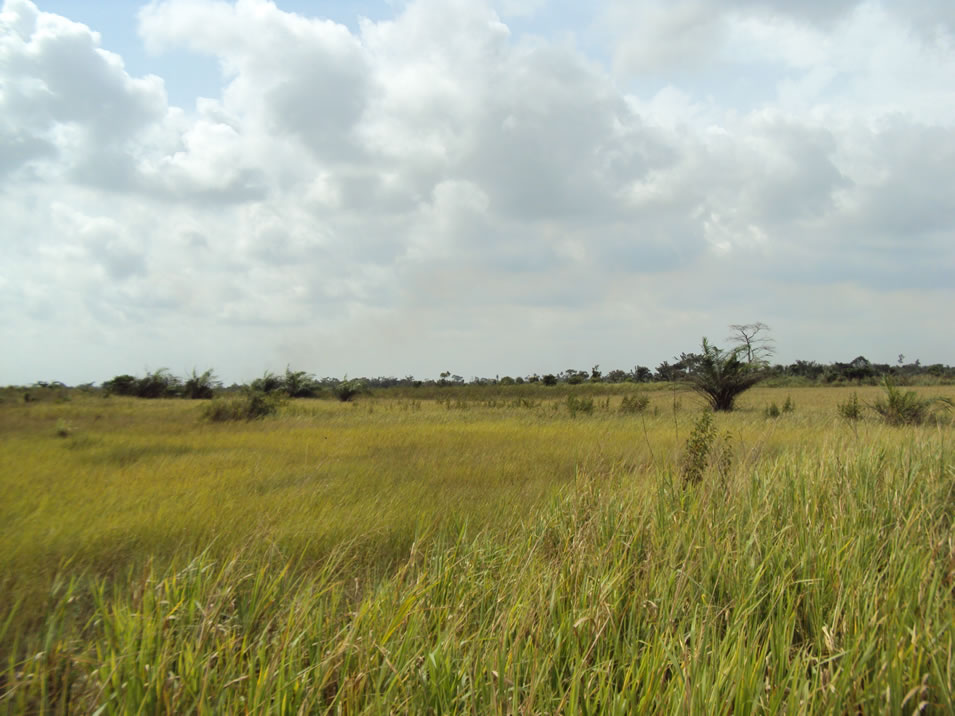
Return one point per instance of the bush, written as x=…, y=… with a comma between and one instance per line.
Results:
x=251, y=406
x=579, y=405
x=346, y=390
x=906, y=408
x=851, y=410
x=63, y=429
x=299, y=384
x=159, y=384
x=706, y=447
x=200, y=386
x=772, y=410
x=634, y=403
x=268, y=383
x=121, y=385
x=697, y=449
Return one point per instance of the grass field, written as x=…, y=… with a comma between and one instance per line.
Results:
x=481, y=551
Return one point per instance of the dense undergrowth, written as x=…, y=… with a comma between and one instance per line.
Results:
x=812, y=571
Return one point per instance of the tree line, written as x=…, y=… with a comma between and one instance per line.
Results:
x=750, y=356
x=302, y=384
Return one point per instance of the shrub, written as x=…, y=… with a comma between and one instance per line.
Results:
x=697, y=449
x=579, y=405
x=346, y=390
x=121, y=385
x=772, y=410
x=268, y=383
x=549, y=379
x=851, y=409
x=158, y=384
x=906, y=408
x=634, y=403
x=250, y=406
x=200, y=387
x=706, y=447
x=789, y=406
x=299, y=384
x=720, y=376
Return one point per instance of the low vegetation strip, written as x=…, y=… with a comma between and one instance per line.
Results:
x=811, y=570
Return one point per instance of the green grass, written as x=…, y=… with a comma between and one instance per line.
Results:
x=474, y=555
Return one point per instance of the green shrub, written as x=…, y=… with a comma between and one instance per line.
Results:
x=772, y=410
x=268, y=383
x=158, y=384
x=634, y=403
x=579, y=405
x=906, y=408
x=250, y=406
x=706, y=448
x=63, y=429
x=851, y=409
x=299, y=384
x=200, y=386
x=121, y=385
x=789, y=406
x=697, y=449
x=346, y=390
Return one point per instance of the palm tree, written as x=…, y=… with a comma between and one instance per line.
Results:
x=720, y=376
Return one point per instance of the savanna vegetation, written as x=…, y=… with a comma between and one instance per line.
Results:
x=572, y=548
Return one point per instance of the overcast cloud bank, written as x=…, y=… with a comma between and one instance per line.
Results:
x=435, y=191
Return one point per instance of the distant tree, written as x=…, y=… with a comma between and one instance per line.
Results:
x=200, y=386
x=268, y=383
x=687, y=363
x=641, y=374
x=756, y=346
x=617, y=376
x=549, y=379
x=574, y=376
x=721, y=376
x=806, y=369
x=859, y=369
x=595, y=374
x=158, y=384
x=299, y=384
x=121, y=385
x=666, y=372
x=347, y=390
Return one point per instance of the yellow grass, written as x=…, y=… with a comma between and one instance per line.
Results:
x=98, y=488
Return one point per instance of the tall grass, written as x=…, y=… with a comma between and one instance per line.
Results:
x=817, y=575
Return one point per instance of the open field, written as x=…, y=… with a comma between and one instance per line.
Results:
x=486, y=551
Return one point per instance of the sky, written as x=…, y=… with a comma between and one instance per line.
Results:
x=486, y=187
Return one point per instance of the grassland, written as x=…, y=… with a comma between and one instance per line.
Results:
x=473, y=552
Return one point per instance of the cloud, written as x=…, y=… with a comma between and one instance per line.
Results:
x=436, y=175
x=655, y=36
x=65, y=95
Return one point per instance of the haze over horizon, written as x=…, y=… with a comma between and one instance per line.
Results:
x=489, y=187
